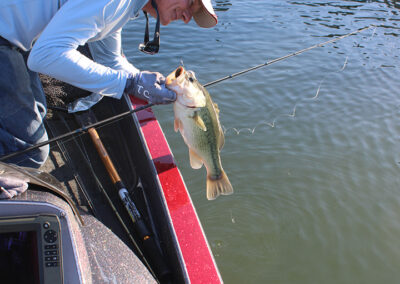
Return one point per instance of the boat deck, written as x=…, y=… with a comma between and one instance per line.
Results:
x=76, y=164
x=142, y=158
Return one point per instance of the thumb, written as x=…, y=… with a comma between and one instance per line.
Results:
x=169, y=96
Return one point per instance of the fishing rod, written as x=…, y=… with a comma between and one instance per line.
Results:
x=287, y=56
x=127, y=113
x=151, y=251
x=83, y=129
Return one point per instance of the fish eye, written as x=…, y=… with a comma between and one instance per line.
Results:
x=191, y=79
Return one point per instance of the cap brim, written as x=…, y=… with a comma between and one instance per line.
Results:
x=206, y=17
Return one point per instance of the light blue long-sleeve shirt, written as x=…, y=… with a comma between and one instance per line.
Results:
x=53, y=29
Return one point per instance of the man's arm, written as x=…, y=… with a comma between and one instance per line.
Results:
x=108, y=52
x=76, y=23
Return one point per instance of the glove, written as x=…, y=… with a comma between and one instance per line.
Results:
x=149, y=86
x=12, y=186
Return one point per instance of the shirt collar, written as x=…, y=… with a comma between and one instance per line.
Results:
x=137, y=7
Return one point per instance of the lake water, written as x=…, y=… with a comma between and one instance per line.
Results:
x=312, y=142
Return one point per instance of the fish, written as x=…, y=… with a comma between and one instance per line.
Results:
x=196, y=117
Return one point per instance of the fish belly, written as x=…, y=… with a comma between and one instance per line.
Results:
x=202, y=143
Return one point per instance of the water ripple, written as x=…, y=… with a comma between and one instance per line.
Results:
x=312, y=142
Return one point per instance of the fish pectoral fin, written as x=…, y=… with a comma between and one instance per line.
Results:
x=199, y=122
x=195, y=160
x=177, y=124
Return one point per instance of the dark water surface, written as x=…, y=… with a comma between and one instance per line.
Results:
x=312, y=142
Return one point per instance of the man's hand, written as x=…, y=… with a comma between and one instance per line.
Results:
x=12, y=186
x=149, y=86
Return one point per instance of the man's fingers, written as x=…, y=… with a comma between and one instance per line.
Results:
x=168, y=96
x=12, y=186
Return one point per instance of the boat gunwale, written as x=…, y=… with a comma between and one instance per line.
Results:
x=198, y=261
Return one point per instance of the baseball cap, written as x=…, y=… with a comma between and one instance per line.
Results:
x=205, y=17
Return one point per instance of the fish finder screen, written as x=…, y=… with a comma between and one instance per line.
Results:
x=19, y=257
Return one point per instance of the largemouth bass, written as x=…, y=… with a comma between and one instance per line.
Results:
x=197, y=119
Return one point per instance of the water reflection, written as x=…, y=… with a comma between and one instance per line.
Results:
x=222, y=5
x=335, y=15
x=311, y=142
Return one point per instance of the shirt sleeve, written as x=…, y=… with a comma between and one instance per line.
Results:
x=77, y=22
x=108, y=52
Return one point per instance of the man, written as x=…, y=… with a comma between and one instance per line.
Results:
x=43, y=35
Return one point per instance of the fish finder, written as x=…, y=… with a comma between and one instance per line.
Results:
x=30, y=249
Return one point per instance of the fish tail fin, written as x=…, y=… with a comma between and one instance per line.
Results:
x=218, y=186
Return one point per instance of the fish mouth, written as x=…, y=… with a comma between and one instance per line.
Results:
x=174, y=75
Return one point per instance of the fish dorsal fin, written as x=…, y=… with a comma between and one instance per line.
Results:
x=221, y=140
x=216, y=108
x=199, y=122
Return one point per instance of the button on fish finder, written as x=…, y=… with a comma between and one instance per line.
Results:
x=50, y=236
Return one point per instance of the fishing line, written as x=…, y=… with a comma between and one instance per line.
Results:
x=117, y=117
x=293, y=113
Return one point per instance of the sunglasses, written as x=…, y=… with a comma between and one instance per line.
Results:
x=151, y=47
